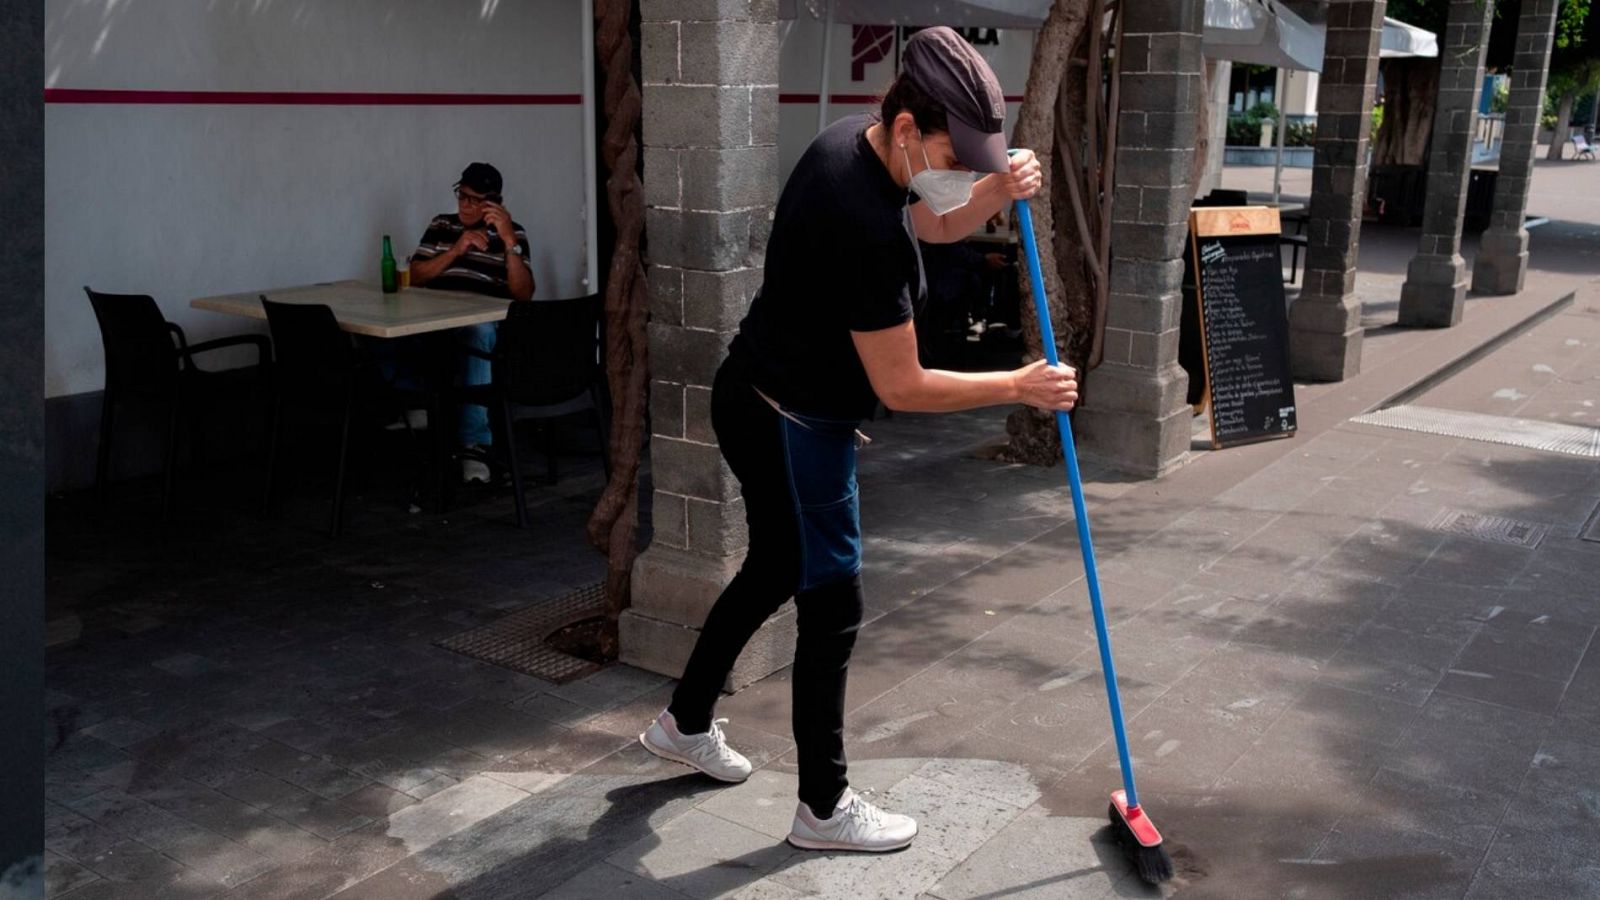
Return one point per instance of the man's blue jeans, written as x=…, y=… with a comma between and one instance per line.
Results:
x=406, y=363
x=475, y=370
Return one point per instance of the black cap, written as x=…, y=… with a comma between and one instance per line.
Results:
x=481, y=178
x=945, y=67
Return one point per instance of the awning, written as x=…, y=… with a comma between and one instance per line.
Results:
x=1263, y=32
x=1400, y=39
x=955, y=13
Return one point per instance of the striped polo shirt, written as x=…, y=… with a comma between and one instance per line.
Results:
x=481, y=271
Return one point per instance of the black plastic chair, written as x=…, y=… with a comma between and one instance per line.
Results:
x=317, y=366
x=150, y=359
x=546, y=365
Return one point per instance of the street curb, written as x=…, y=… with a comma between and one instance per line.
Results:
x=1461, y=363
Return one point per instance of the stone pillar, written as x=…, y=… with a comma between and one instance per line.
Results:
x=1220, y=73
x=1325, y=321
x=1502, y=261
x=1435, y=291
x=711, y=177
x=1134, y=415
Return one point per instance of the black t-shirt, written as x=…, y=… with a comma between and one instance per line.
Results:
x=839, y=259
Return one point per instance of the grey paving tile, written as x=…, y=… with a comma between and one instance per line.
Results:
x=702, y=855
x=764, y=804
x=325, y=872
x=951, y=822
x=258, y=789
x=1505, y=687
x=75, y=836
x=562, y=712
x=1464, y=815
x=1395, y=677
x=1470, y=743
x=184, y=665
x=492, y=730
x=376, y=801
x=1371, y=862
x=555, y=834
x=1306, y=766
x=327, y=819
x=121, y=731
x=128, y=860
x=131, y=816
x=62, y=875
x=219, y=859
x=1474, y=563
x=1326, y=709
x=452, y=809
x=1542, y=646
x=604, y=881
x=1039, y=857
x=767, y=889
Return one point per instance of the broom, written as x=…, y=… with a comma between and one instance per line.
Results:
x=1135, y=832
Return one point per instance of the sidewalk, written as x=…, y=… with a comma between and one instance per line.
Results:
x=1329, y=695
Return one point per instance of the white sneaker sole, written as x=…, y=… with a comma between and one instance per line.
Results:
x=809, y=844
x=671, y=756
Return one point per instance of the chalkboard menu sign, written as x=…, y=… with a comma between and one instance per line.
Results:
x=1244, y=324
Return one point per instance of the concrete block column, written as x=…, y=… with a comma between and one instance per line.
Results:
x=1325, y=322
x=1435, y=291
x=711, y=177
x=1135, y=416
x=1502, y=261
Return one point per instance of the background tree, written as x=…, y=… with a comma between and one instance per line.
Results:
x=1068, y=119
x=1574, y=67
x=614, y=524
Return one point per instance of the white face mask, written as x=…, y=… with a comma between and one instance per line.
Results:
x=944, y=190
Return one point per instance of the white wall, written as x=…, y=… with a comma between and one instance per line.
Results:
x=186, y=200
x=801, y=64
x=1300, y=92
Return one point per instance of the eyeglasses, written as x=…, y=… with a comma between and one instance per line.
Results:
x=467, y=199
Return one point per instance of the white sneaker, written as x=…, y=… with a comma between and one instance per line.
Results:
x=473, y=469
x=707, y=752
x=854, y=825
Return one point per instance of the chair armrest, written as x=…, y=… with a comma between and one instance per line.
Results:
x=259, y=341
x=183, y=341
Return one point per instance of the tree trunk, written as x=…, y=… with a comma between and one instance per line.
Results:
x=614, y=525
x=1033, y=438
x=1563, y=132
x=1411, y=90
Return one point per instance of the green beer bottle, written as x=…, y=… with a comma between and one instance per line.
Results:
x=390, y=283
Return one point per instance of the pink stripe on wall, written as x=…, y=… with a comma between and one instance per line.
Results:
x=302, y=98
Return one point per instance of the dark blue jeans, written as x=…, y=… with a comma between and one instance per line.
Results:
x=798, y=481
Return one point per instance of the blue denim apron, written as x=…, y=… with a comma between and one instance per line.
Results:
x=820, y=457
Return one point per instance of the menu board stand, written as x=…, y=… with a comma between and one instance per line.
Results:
x=1244, y=323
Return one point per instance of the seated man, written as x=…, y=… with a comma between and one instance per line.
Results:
x=478, y=248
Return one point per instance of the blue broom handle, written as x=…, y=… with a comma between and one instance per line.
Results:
x=1068, y=450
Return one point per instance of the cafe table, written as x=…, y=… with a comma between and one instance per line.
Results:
x=361, y=307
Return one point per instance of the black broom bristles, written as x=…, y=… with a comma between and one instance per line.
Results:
x=1152, y=863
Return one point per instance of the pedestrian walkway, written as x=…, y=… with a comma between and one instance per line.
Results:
x=1342, y=679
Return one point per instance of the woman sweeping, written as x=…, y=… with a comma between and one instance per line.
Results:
x=827, y=338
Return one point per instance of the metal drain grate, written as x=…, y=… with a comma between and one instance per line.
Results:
x=1496, y=529
x=516, y=642
x=1557, y=437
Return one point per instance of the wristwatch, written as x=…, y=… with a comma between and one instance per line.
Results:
x=515, y=248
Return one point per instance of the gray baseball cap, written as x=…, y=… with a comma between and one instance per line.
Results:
x=945, y=67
